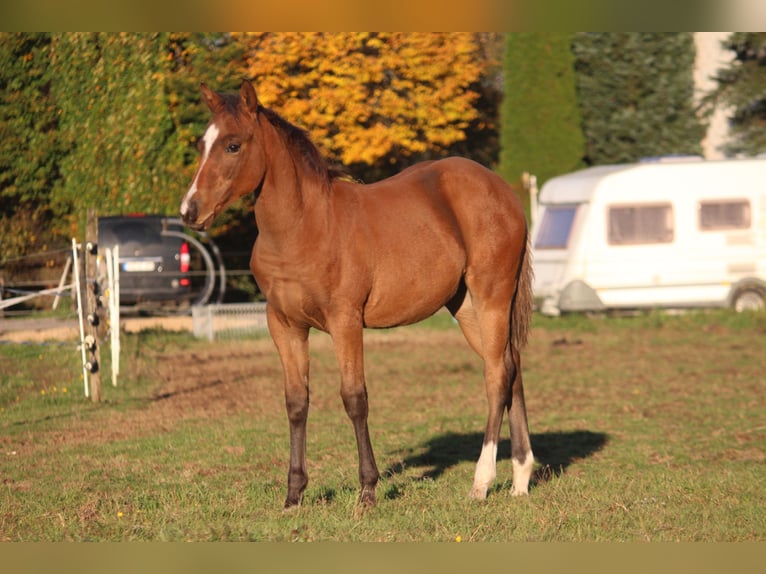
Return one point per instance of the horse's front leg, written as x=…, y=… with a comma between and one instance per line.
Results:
x=292, y=344
x=348, y=342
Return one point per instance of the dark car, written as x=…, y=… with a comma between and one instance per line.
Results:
x=154, y=258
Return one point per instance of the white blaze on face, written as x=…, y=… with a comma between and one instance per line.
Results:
x=211, y=134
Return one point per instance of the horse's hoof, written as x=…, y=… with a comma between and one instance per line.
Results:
x=367, y=498
x=366, y=502
x=478, y=493
x=291, y=503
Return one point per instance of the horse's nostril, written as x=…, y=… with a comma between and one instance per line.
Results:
x=190, y=216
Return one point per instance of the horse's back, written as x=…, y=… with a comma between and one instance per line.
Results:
x=452, y=181
x=487, y=211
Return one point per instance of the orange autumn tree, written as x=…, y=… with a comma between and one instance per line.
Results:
x=371, y=99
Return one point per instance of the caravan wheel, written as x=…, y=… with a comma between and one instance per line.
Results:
x=749, y=299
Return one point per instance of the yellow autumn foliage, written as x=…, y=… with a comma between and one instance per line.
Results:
x=362, y=95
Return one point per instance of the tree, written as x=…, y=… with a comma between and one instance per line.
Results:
x=111, y=96
x=636, y=93
x=97, y=119
x=482, y=141
x=130, y=114
x=742, y=85
x=371, y=99
x=30, y=148
x=541, y=131
x=193, y=58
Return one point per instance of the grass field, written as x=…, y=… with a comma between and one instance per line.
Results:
x=648, y=428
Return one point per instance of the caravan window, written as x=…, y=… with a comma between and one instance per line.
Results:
x=636, y=224
x=555, y=227
x=724, y=214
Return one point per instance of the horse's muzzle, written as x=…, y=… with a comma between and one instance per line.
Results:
x=189, y=214
x=191, y=218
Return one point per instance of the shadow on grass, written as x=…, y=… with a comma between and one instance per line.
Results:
x=185, y=391
x=554, y=452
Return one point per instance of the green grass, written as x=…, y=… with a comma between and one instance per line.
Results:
x=644, y=428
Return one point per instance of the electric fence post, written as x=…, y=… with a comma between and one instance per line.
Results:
x=90, y=255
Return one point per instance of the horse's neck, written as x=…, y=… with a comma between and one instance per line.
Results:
x=291, y=199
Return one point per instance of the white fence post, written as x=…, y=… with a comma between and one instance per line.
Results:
x=112, y=257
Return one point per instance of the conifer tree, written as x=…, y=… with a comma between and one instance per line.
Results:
x=540, y=118
x=742, y=85
x=636, y=94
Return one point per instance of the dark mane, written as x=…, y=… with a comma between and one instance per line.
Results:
x=297, y=140
x=301, y=146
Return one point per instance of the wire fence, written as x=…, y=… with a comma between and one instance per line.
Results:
x=228, y=320
x=28, y=283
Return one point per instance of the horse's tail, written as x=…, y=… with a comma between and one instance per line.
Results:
x=523, y=301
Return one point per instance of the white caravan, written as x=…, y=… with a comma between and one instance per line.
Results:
x=661, y=234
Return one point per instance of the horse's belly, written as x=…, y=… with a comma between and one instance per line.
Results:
x=377, y=317
x=406, y=297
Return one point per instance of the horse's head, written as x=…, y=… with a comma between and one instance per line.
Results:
x=231, y=161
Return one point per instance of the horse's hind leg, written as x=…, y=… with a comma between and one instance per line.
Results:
x=498, y=390
x=487, y=329
x=521, y=448
x=462, y=310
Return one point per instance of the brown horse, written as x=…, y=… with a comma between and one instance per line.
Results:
x=341, y=256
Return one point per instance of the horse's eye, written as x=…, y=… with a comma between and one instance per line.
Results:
x=232, y=148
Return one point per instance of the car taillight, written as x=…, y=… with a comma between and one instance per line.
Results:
x=185, y=260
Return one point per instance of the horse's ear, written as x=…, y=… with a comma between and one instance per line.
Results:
x=213, y=100
x=248, y=98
